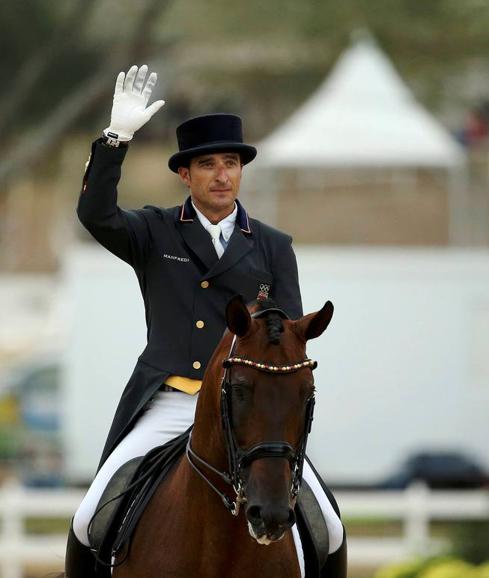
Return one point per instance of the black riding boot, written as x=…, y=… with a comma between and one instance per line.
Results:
x=80, y=562
x=336, y=563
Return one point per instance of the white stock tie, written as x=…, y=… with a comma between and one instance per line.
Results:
x=215, y=233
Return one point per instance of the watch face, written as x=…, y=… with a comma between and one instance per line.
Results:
x=110, y=140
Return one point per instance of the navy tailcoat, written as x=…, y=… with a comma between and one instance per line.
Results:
x=182, y=280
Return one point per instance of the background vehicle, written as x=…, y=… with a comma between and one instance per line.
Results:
x=439, y=470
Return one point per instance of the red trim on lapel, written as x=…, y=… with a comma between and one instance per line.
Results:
x=187, y=212
x=242, y=219
x=187, y=215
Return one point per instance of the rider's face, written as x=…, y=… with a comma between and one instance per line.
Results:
x=214, y=181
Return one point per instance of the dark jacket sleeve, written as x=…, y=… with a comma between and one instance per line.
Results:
x=285, y=289
x=124, y=233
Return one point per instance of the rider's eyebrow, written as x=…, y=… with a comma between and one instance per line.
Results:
x=203, y=160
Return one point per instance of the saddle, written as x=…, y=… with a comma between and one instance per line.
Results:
x=132, y=486
x=126, y=496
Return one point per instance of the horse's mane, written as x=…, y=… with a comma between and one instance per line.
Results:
x=273, y=320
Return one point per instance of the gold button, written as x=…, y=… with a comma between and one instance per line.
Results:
x=204, y=284
x=199, y=324
x=196, y=364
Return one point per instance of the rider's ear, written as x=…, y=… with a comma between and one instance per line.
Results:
x=238, y=318
x=313, y=325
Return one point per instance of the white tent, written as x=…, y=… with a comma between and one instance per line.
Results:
x=362, y=115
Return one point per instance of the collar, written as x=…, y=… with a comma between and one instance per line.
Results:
x=226, y=224
x=188, y=214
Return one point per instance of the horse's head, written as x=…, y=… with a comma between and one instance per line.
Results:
x=266, y=404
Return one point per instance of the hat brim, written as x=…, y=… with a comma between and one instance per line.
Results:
x=183, y=158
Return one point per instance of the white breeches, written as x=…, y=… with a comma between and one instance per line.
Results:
x=168, y=415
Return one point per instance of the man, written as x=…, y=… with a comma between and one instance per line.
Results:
x=189, y=261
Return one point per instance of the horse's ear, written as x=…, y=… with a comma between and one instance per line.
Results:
x=238, y=318
x=313, y=325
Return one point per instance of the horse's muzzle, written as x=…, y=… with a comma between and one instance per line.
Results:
x=266, y=525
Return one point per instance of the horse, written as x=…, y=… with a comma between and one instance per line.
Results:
x=235, y=489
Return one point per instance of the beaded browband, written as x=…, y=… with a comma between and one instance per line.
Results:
x=267, y=367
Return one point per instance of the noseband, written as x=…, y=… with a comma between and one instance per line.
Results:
x=239, y=458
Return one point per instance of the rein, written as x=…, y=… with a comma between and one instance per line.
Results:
x=239, y=458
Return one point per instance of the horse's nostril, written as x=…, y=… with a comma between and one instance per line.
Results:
x=253, y=513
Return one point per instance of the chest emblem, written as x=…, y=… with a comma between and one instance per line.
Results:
x=263, y=292
x=176, y=258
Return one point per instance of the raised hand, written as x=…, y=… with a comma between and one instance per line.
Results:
x=131, y=96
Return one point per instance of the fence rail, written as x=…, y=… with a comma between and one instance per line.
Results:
x=416, y=507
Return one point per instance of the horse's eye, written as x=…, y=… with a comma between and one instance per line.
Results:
x=241, y=391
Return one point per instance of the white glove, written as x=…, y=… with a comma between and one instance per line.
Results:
x=131, y=96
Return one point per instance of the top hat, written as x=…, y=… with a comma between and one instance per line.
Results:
x=210, y=133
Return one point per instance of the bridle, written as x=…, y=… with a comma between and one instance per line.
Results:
x=239, y=458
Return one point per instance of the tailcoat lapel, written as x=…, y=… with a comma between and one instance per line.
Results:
x=199, y=241
x=239, y=245
x=195, y=236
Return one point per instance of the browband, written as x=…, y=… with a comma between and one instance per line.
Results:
x=269, y=367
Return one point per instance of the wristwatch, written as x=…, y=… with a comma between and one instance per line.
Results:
x=112, y=139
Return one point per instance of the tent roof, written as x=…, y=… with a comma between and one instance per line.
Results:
x=363, y=115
